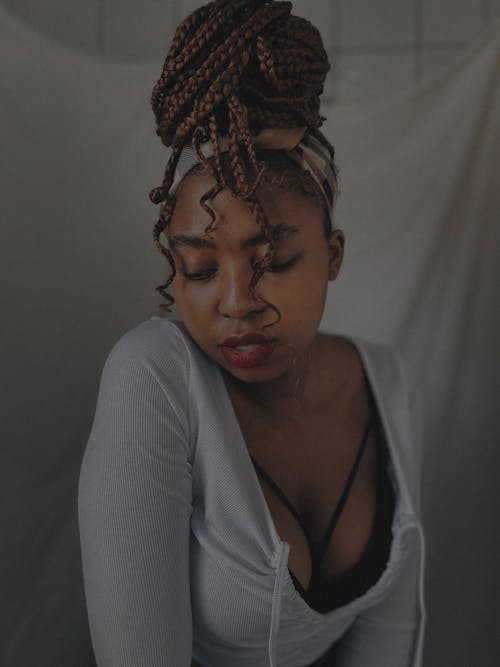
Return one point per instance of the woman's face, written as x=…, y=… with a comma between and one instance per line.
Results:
x=211, y=286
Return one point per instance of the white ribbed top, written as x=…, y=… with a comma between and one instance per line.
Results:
x=180, y=553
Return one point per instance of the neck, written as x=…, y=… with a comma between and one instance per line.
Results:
x=290, y=396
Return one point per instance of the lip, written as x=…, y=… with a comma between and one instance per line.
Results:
x=248, y=357
x=247, y=339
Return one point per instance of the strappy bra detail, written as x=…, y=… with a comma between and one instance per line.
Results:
x=325, y=596
x=317, y=557
x=341, y=589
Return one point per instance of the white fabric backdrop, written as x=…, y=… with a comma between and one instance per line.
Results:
x=420, y=207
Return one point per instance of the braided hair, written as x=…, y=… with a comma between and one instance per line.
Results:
x=236, y=67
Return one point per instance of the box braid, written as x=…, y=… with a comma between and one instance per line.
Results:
x=234, y=68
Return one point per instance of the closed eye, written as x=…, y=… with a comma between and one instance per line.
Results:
x=198, y=276
x=276, y=268
x=206, y=275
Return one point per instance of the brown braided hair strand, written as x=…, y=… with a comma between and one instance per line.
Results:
x=235, y=67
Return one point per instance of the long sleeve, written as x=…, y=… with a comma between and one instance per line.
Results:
x=386, y=635
x=134, y=508
x=391, y=633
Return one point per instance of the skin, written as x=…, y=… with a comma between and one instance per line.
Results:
x=220, y=303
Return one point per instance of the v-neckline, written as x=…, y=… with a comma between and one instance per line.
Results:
x=256, y=483
x=317, y=555
x=402, y=509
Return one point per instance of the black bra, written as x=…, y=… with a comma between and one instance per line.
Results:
x=341, y=589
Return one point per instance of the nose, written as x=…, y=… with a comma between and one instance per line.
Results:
x=235, y=298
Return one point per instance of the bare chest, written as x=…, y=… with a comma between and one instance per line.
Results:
x=302, y=467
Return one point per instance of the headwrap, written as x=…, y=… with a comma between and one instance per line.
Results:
x=302, y=147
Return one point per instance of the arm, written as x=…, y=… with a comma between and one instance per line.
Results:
x=386, y=635
x=134, y=508
x=391, y=633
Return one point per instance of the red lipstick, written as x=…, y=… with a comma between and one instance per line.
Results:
x=248, y=350
x=246, y=339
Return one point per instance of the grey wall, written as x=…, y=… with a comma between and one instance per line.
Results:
x=376, y=47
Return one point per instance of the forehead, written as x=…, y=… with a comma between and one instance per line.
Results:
x=233, y=216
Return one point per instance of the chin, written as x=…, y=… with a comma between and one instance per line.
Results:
x=257, y=374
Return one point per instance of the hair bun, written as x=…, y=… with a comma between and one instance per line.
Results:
x=290, y=76
x=273, y=62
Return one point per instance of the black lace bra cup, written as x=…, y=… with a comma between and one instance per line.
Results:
x=326, y=596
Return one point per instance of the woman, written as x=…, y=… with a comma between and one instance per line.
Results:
x=249, y=494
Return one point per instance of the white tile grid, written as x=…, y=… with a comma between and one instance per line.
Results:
x=379, y=52
x=492, y=8
x=370, y=75
x=73, y=24
x=137, y=31
x=434, y=63
x=373, y=46
x=376, y=52
x=446, y=21
x=436, y=57
x=381, y=23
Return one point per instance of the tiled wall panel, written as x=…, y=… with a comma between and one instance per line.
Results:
x=377, y=23
x=435, y=63
x=375, y=46
x=492, y=8
x=136, y=30
x=380, y=74
x=449, y=21
x=71, y=23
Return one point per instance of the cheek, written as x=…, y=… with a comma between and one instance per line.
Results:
x=307, y=282
x=298, y=303
x=304, y=298
x=192, y=297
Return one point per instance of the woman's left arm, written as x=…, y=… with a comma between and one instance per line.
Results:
x=391, y=633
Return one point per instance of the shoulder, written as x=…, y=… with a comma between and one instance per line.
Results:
x=354, y=349
x=152, y=338
x=397, y=396
x=162, y=350
x=146, y=377
x=386, y=369
x=350, y=356
x=157, y=342
x=382, y=363
x=154, y=352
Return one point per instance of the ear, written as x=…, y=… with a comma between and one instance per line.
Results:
x=336, y=244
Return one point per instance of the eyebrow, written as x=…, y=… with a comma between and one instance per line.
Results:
x=278, y=231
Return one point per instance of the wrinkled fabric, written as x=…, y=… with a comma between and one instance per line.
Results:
x=180, y=552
